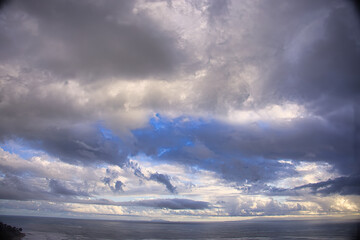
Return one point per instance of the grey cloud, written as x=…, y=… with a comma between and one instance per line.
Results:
x=89, y=39
x=58, y=188
x=318, y=68
x=3, y=3
x=118, y=186
x=164, y=179
x=245, y=207
x=42, y=116
x=252, y=153
x=106, y=181
x=138, y=173
x=112, y=173
x=78, y=145
x=348, y=185
x=216, y=91
x=137, y=169
x=274, y=191
x=28, y=101
x=175, y=203
x=158, y=177
x=217, y=8
x=310, y=60
x=341, y=185
x=260, y=188
x=14, y=188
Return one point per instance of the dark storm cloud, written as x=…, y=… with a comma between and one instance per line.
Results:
x=163, y=179
x=3, y=3
x=341, y=185
x=175, y=204
x=87, y=39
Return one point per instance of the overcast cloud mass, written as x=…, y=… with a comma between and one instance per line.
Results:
x=179, y=109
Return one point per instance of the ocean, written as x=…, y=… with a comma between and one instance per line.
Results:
x=41, y=228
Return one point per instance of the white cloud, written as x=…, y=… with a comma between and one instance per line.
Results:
x=94, y=209
x=307, y=172
x=270, y=113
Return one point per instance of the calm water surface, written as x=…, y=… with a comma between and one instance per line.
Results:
x=65, y=229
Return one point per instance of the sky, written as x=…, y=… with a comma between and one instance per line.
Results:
x=179, y=110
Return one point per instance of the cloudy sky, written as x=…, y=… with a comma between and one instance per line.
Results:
x=179, y=110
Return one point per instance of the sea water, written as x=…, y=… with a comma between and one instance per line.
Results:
x=40, y=228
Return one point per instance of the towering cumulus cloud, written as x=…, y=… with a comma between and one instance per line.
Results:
x=179, y=109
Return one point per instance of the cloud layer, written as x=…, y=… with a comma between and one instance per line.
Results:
x=199, y=106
